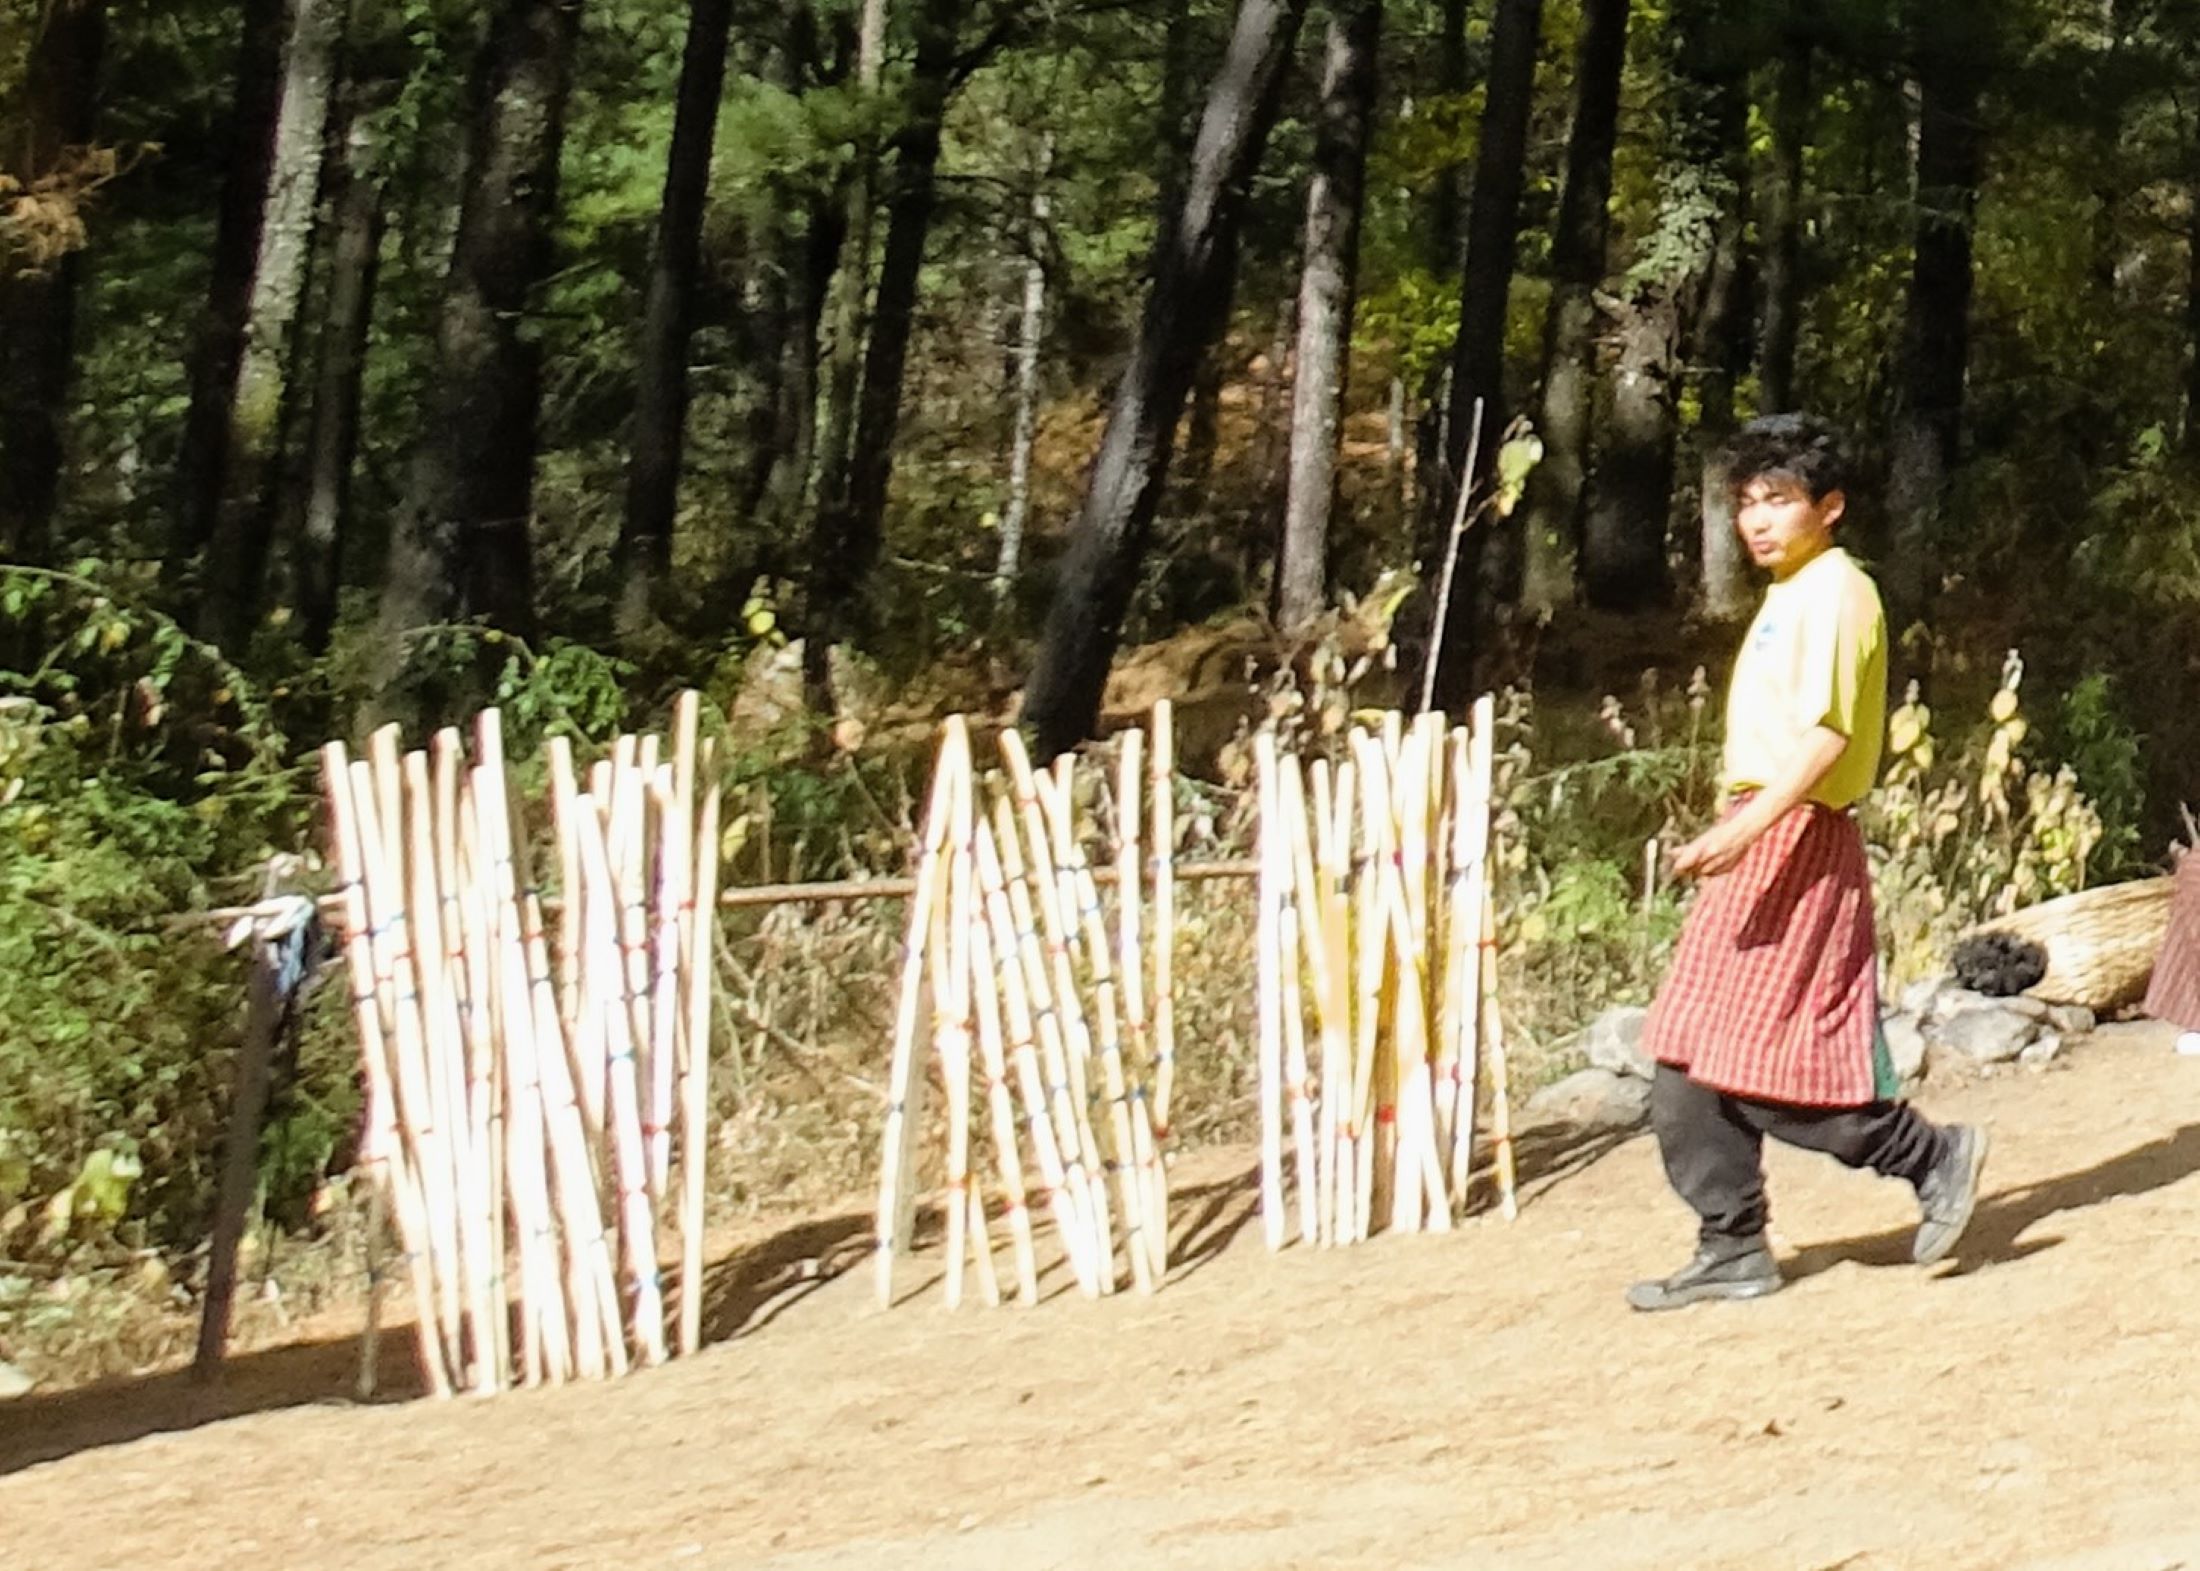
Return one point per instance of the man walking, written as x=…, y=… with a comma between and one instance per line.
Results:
x=1768, y=1023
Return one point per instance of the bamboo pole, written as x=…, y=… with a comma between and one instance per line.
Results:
x=384, y=1150
x=1268, y=982
x=606, y=972
x=1372, y=941
x=416, y=1102
x=952, y=1007
x=1332, y=999
x=486, y=1064
x=981, y=1247
x=1130, y=959
x=899, y=1138
x=1300, y=942
x=1021, y=940
x=695, y=1140
x=1128, y=1123
x=588, y=1065
x=1164, y=915
x=993, y=1057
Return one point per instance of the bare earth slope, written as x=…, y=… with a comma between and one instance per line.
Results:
x=1479, y=1400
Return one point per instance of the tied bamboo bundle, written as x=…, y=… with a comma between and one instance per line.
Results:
x=1376, y=916
x=528, y=1083
x=1031, y=1003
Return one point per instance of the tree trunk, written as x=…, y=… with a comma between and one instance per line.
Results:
x=1030, y=341
x=321, y=523
x=1722, y=350
x=1182, y=316
x=668, y=318
x=1792, y=104
x=1624, y=565
x=38, y=307
x=461, y=546
x=1478, y=354
x=231, y=593
x=851, y=524
x=1551, y=521
x=851, y=279
x=2191, y=435
x=1936, y=323
x=1445, y=254
x=217, y=357
x=1328, y=287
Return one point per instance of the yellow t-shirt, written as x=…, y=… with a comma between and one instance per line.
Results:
x=1815, y=656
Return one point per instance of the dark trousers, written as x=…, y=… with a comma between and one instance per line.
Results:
x=1713, y=1145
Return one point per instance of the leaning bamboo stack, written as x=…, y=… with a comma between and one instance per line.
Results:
x=1047, y=1019
x=530, y=1081
x=1379, y=1034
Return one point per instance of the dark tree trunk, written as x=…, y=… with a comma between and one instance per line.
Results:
x=217, y=356
x=851, y=524
x=1936, y=323
x=1327, y=290
x=668, y=316
x=1792, y=104
x=1478, y=355
x=462, y=540
x=320, y=524
x=38, y=306
x=1623, y=558
x=2192, y=297
x=1445, y=252
x=1551, y=520
x=842, y=366
x=1182, y=316
x=268, y=409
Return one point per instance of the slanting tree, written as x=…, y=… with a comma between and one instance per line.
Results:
x=1551, y=520
x=1328, y=286
x=461, y=544
x=668, y=317
x=38, y=295
x=1183, y=313
x=852, y=515
x=1948, y=50
x=1478, y=354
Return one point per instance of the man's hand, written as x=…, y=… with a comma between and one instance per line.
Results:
x=1717, y=850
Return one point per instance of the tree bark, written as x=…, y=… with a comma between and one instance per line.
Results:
x=1722, y=350
x=1182, y=316
x=321, y=523
x=38, y=307
x=1030, y=341
x=1936, y=322
x=1551, y=519
x=851, y=524
x=851, y=279
x=1328, y=288
x=1624, y=565
x=1792, y=104
x=235, y=582
x=668, y=317
x=217, y=357
x=1478, y=354
x=461, y=545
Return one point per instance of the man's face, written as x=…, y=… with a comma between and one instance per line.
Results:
x=1781, y=525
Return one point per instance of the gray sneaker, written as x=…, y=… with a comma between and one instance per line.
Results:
x=1949, y=1194
x=1733, y=1272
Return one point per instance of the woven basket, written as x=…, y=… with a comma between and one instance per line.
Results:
x=2100, y=943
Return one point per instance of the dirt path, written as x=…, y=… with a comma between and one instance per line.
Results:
x=1479, y=1400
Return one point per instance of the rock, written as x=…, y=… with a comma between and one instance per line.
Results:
x=1593, y=1099
x=1614, y=1042
x=1988, y=1035
x=14, y=1383
x=1953, y=1001
x=2071, y=1020
x=1921, y=999
x=1905, y=1047
x=2042, y=1050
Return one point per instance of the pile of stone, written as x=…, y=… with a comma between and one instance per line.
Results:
x=1935, y=1029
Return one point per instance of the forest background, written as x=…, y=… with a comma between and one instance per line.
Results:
x=862, y=360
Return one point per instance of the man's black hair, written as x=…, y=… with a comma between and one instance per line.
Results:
x=1801, y=448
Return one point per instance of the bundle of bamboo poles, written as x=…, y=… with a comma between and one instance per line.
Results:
x=525, y=1077
x=1042, y=1017
x=1376, y=909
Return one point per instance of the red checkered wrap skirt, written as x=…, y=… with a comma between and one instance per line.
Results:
x=2173, y=994
x=1774, y=991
